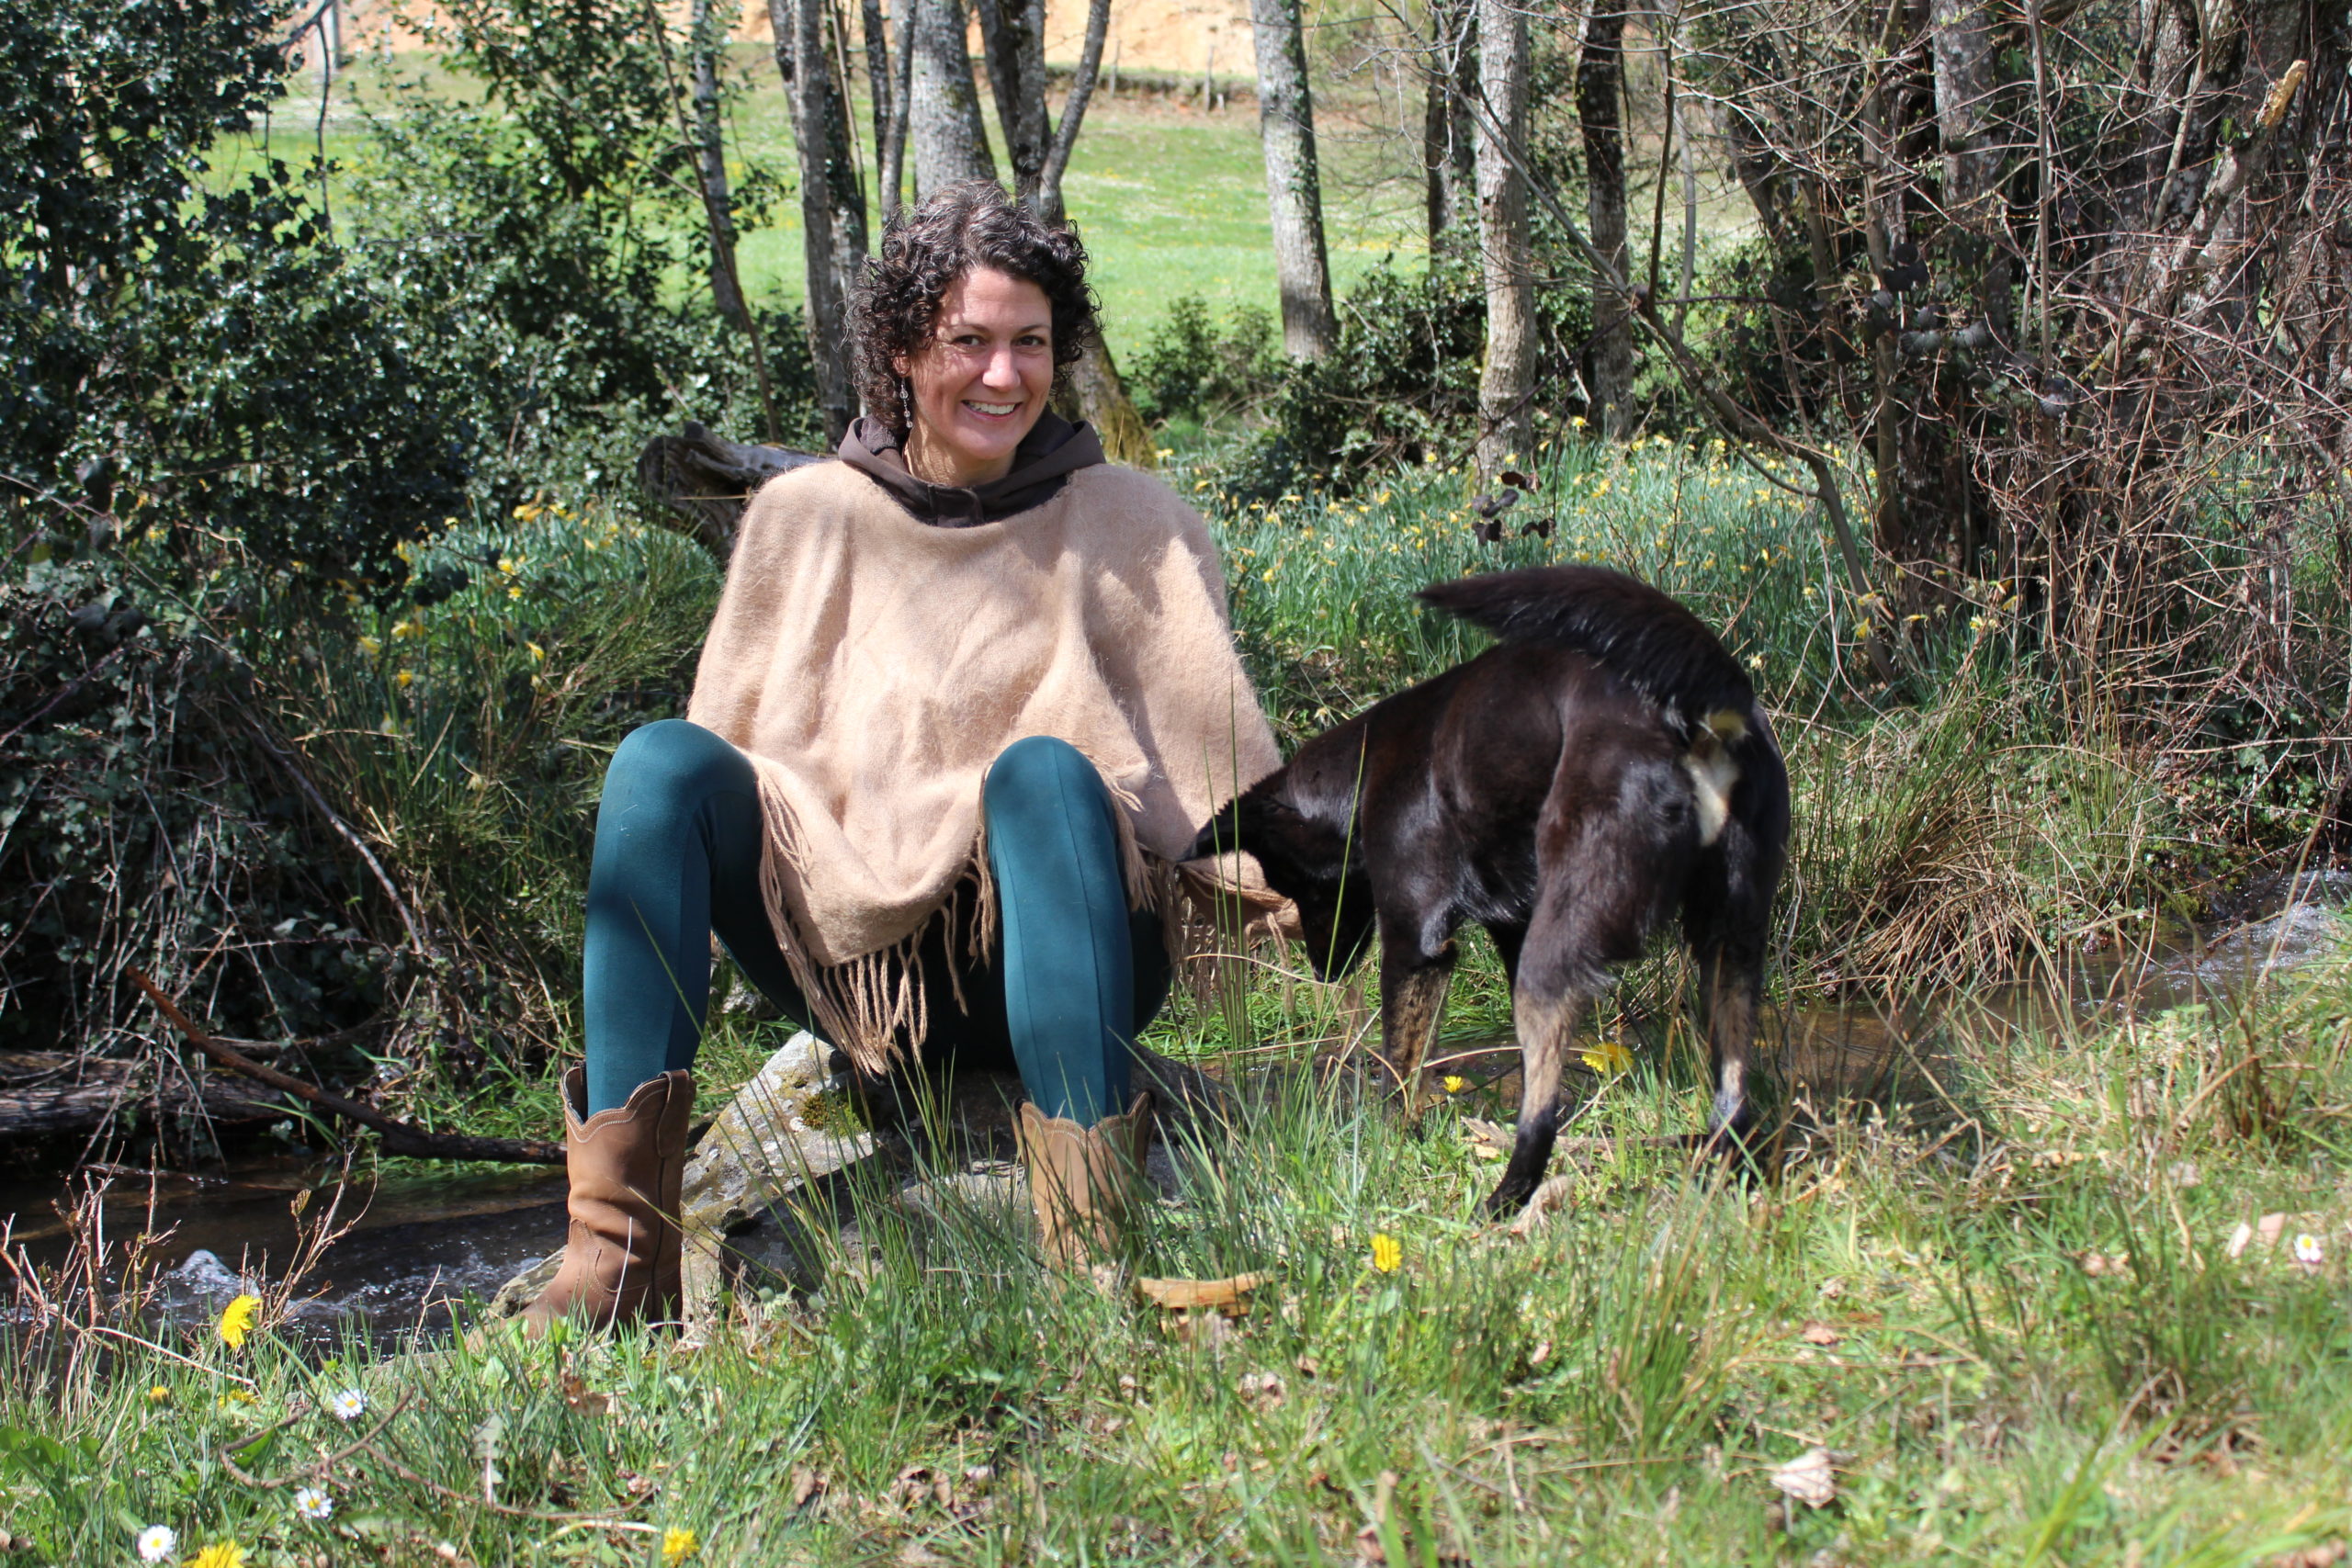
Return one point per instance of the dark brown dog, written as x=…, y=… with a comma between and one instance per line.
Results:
x=1603, y=768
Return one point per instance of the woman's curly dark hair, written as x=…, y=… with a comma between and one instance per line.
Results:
x=974, y=224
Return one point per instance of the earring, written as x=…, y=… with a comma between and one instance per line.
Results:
x=906, y=405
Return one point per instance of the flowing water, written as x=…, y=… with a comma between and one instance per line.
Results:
x=405, y=1252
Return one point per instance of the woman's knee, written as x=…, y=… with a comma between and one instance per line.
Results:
x=670, y=759
x=1038, y=764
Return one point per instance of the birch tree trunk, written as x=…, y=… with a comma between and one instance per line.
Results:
x=1601, y=90
x=1962, y=40
x=1013, y=42
x=1507, y=382
x=878, y=85
x=1449, y=160
x=1293, y=184
x=710, y=165
x=832, y=208
x=1048, y=199
x=951, y=145
x=894, y=142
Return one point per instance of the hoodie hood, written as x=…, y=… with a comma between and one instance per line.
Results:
x=1054, y=449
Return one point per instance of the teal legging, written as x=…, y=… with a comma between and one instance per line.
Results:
x=678, y=858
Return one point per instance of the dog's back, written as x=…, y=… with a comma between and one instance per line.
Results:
x=1643, y=637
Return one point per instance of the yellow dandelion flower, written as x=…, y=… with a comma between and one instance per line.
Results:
x=1607, y=1057
x=1453, y=1083
x=159, y=1394
x=1387, y=1252
x=219, y=1554
x=237, y=1320
x=539, y=654
x=677, y=1545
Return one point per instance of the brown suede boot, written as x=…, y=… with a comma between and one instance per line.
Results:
x=1083, y=1180
x=627, y=1165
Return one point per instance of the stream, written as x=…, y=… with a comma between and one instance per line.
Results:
x=406, y=1251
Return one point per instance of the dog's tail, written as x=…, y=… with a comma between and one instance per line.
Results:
x=1663, y=650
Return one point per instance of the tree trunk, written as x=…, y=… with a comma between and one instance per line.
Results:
x=1449, y=159
x=1294, y=184
x=1048, y=200
x=1601, y=90
x=894, y=144
x=710, y=162
x=1096, y=395
x=832, y=208
x=951, y=145
x=1507, y=382
x=879, y=87
x=1013, y=42
x=1966, y=76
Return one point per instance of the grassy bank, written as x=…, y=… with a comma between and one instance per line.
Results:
x=1991, y=1315
x=1994, y=1282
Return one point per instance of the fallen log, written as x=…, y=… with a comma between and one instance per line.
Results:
x=706, y=480
x=400, y=1137
x=37, y=1099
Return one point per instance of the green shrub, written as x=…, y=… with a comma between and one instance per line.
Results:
x=1190, y=370
x=1401, y=387
x=198, y=361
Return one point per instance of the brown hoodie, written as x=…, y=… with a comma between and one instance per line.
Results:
x=1053, y=449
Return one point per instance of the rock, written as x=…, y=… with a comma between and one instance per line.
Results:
x=790, y=1125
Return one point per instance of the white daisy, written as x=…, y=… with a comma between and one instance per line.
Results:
x=2307, y=1248
x=312, y=1503
x=157, y=1542
x=347, y=1405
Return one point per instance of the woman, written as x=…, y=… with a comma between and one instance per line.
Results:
x=967, y=695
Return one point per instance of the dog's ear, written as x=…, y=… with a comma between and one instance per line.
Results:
x=1221, y=834
x=1262, y=824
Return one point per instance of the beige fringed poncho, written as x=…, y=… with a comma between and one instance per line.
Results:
x=873, y=666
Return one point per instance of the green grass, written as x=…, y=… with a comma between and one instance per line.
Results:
x=1170, y=200
x=1934, y=1291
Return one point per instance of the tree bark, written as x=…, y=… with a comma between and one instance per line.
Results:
x=1013, y=42
x=832, y=208
x=951, y=145
x=1962, y=43
x=1601, y=90
x=1507, y=382
x=1449, y=160
x=710, y=162
x=893, y=146
x=878, y=85
x=1293, y=184
x=1048, y=199
x=1096, y=394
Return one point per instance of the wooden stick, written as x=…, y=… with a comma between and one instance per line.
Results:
x=400, y=1137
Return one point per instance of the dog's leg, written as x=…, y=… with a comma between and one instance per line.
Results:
x=1412, y=1000
x=1727, y=920
x=1599, y=886
x=1545, y=1025
x=1730, y=990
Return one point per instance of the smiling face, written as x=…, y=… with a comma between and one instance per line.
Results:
x=982, y=382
